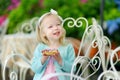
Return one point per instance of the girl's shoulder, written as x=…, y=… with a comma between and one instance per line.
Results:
x=67, y=42
x=41, y=46
x=68, y=45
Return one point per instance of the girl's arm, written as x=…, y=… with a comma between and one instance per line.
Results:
x=38, y=61
x=68, y=62
x=43, y=59
x=58, y=58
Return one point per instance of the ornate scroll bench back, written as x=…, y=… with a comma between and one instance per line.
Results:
x=93, y=38
x=113, y=72
x=3, y=29
x=86, y=66
x=17, y=58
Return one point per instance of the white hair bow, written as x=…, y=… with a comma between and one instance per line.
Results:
x=53, y=11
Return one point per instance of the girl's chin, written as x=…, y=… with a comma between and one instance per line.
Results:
x=56, y=38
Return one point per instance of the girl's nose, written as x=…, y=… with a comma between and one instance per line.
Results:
x=55, y=27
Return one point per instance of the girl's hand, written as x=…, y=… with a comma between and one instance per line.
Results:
x=45, y=51
x=58, y=58
x=49, y=52
x=44, y=57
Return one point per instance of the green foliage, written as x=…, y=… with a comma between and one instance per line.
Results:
x=26, y=10
x=112, y=14
x=3, y=6
x=75, y=9
x=65, y=8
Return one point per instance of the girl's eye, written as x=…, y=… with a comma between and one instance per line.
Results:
x=50, y=27
x=58, y=24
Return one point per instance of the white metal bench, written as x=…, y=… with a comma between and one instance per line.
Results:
x=20, y=52
x=86, y=66
x=112, y=73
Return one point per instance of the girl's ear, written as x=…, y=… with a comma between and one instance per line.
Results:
x=43, y=33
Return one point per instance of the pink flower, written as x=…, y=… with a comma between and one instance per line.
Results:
x=15, y=1
x=84, y=1
x=2, y=19
x=14, y=4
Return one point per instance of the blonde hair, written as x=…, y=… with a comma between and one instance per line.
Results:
x=39, y=28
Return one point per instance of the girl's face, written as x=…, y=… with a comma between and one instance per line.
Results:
x=52, y=27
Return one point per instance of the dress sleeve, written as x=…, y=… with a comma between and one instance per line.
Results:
x=36, y=64
x=68, y=62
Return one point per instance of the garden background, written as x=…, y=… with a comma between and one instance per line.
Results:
x=19, y=11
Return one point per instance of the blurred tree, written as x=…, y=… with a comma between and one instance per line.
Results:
x=3, y=6
x=112, y=19
x=75, y=9
x=26, y=10
x=72, y=8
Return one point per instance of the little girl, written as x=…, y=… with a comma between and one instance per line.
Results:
x=53, y=54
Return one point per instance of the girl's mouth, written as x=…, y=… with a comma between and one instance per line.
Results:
x=56, y=33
